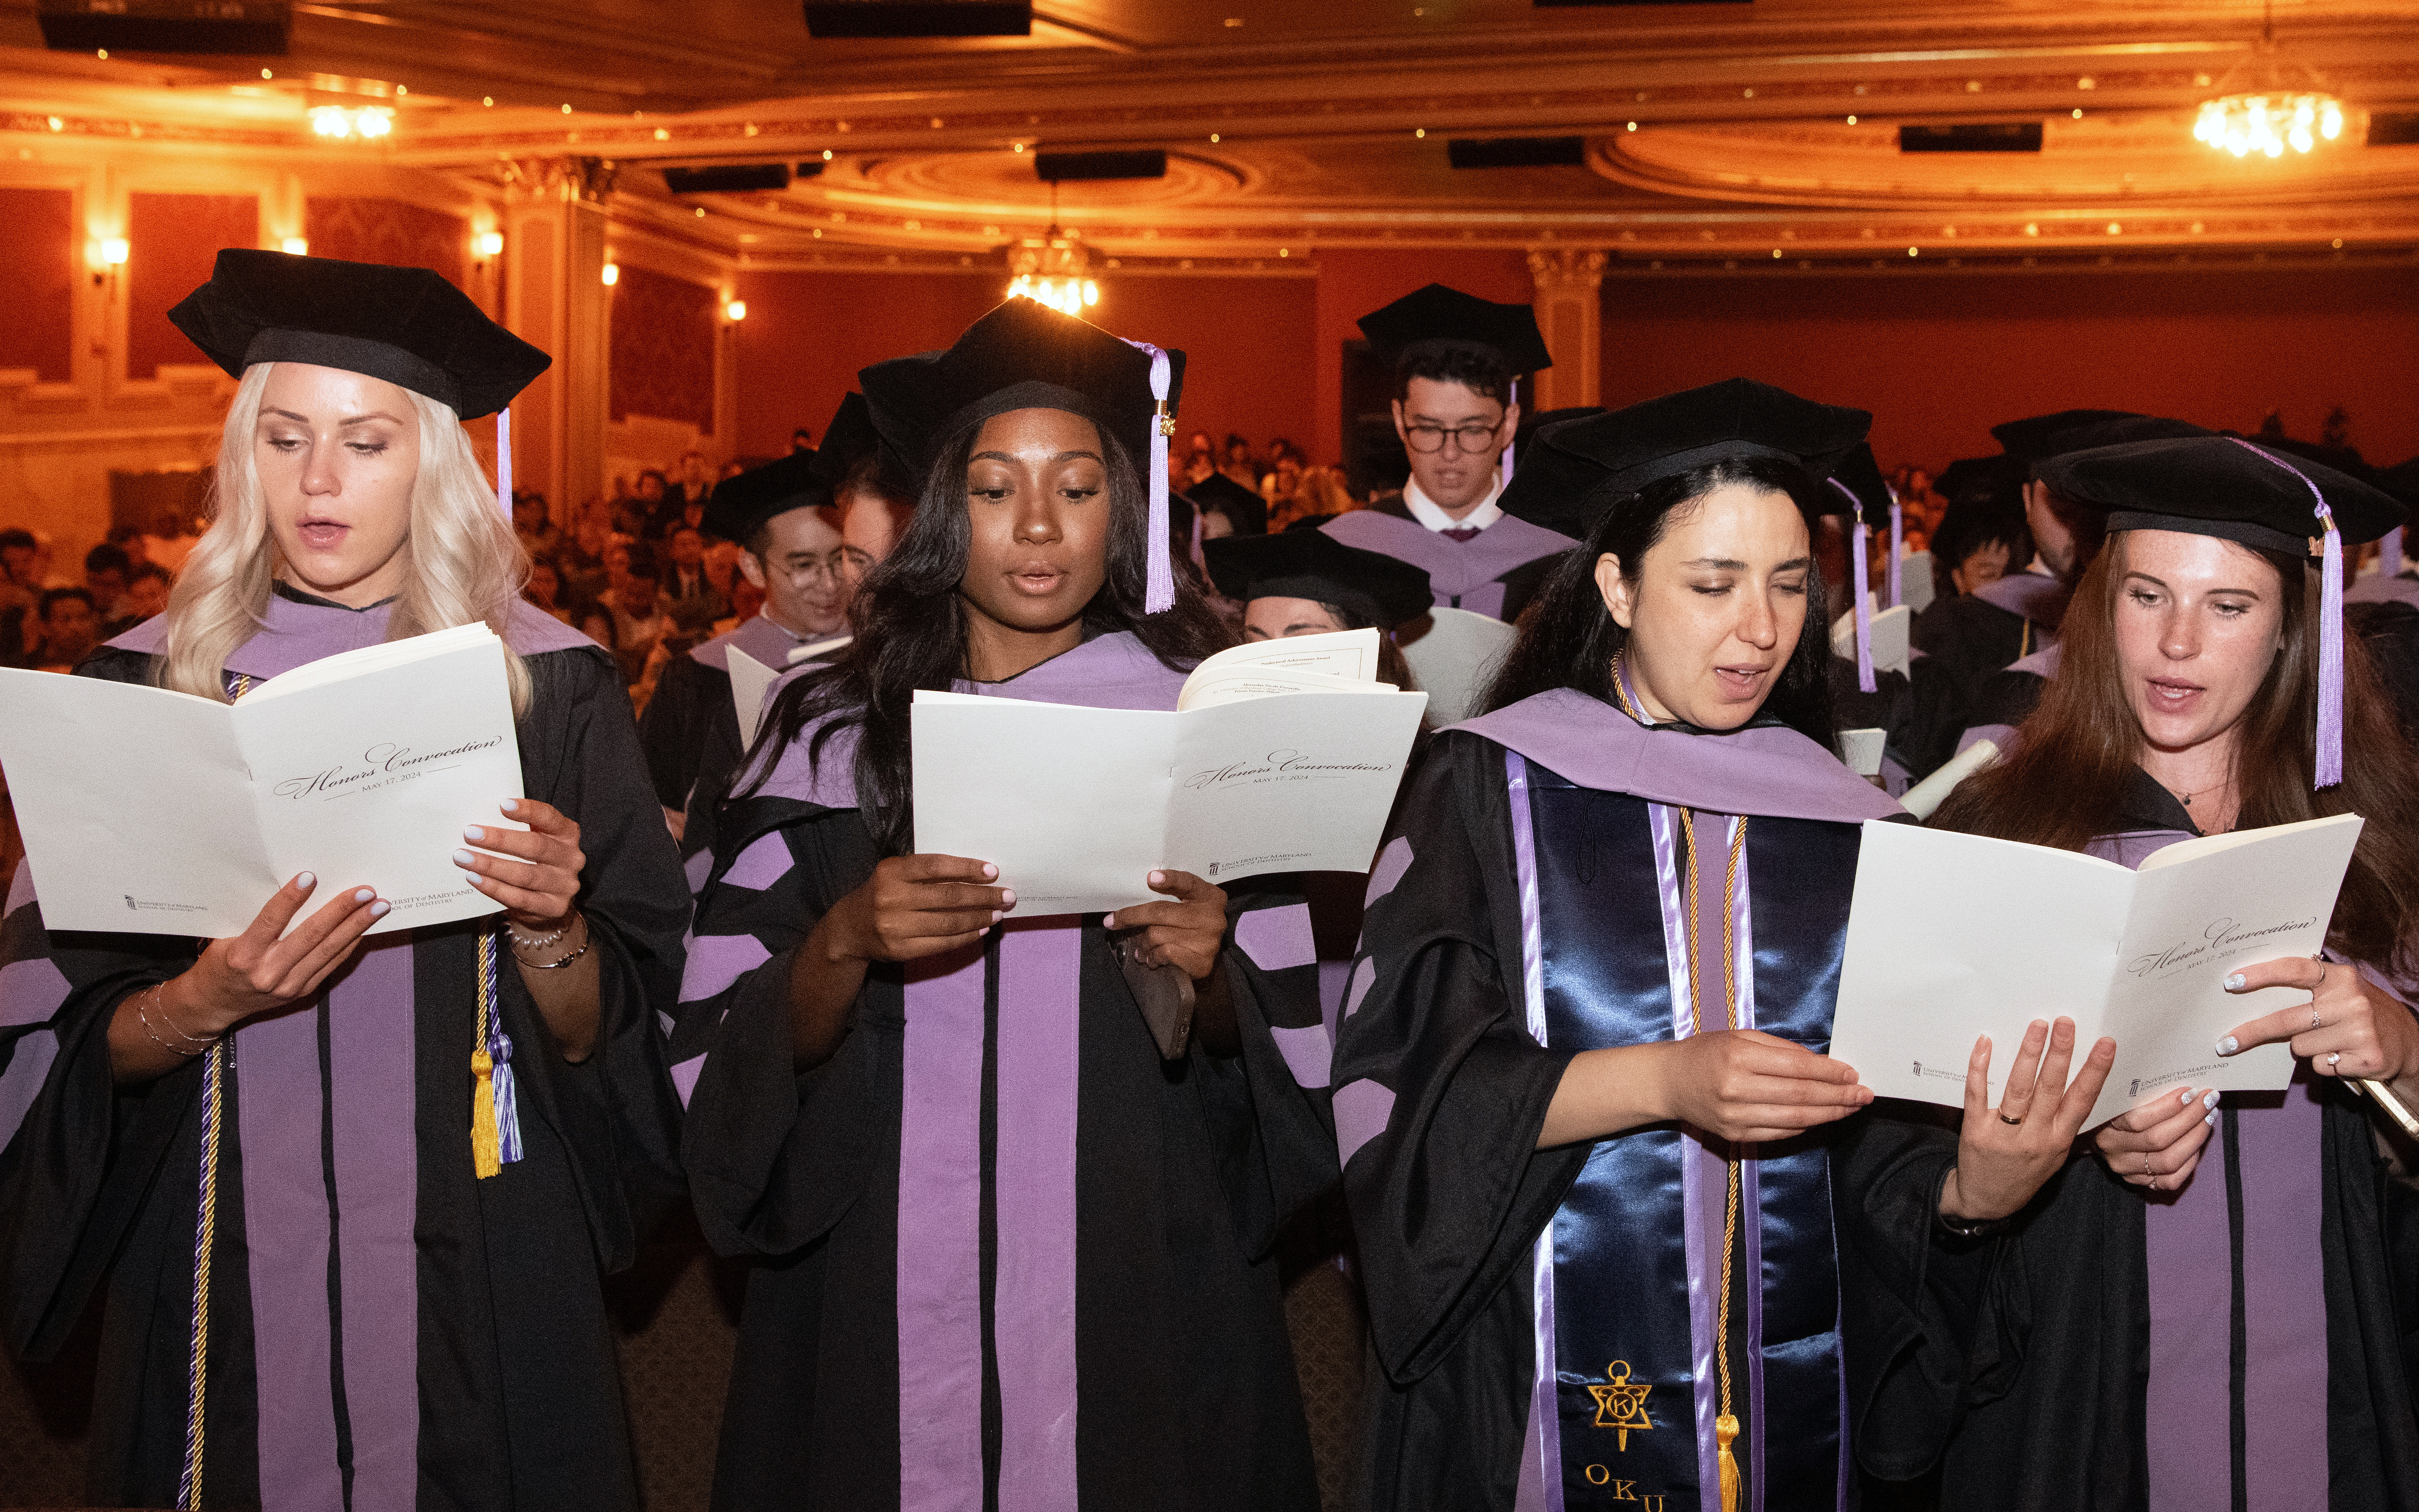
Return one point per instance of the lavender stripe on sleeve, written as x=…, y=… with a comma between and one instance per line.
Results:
x=1307, y=1052
x=1361, y=1109
x=766, y=861
x=684, y=1077
x=939, y=1208
x=1041, y=970
x=696, y=869
x=1392, y=862
x=1277, y=939
x=31, y=991
x=717, y=961
x=378, y=1178
x=28, y=1068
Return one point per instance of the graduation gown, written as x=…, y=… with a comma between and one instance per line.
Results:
x=693, y=695
x=1005, y=1255
x=383, y=1330
x=1973, y=634
x=1527, y=908
x=1475, y=575
x=2247, y=1342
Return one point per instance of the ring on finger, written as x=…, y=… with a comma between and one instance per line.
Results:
x=2316, y=1022
x=2335, y=1059
x=2004, y=1118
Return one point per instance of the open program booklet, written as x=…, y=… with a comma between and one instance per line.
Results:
x=1280, y=756
x=1952, y=937
x=156, y=812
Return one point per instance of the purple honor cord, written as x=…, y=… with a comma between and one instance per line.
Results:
x=1159, y=593
x=1514, y=390
x=2330, y=611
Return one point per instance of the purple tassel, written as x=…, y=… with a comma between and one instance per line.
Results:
x=1515, y=392
x=1158, y=589
x=504, y=462
x=2330, y=613
x=1898, y=546
x=2389, y=554
x=1857, y=533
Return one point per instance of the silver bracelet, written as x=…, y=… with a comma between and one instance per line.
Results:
x=143, y=1016
x=539, y=942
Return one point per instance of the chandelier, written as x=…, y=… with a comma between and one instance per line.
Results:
x=2284, y=107
x=1052, y=268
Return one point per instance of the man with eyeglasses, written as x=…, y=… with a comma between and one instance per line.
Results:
x=1457, y=361
x=780, y=513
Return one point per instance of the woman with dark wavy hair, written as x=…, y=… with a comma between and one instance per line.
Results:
x=2209, y=1304
x=1588, y=1124
x=1003, y=1251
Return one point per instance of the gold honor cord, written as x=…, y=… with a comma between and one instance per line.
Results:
x=1726, y=1424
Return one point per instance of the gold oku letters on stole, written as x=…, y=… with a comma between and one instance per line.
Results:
x=1620, y=1403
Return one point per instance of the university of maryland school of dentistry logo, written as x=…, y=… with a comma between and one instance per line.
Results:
x=1620, y=1404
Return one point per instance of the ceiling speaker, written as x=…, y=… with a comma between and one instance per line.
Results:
x=1980, y=136
x=1070, y=167
x=253, y=26
x=1519, y=152
x=919, y=18
x=726, y=177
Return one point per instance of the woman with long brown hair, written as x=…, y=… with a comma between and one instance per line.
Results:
x=2202, y=1310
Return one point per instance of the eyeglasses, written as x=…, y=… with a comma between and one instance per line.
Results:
x=810, y=570
x=1472, y=438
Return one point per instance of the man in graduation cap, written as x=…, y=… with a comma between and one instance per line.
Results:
x=1456, y=358
x=1226, y=507
x=779, y=515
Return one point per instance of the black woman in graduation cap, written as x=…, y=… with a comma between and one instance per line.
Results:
x=1589, y=1128
x=1007, y=1252
x=2209, y=1305
x=351, y=1196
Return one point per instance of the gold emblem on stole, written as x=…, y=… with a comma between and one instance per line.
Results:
x=1620, y=1404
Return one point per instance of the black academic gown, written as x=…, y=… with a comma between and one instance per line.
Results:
x=1970, y=637
x=2015, y=1367
x=515, y=1390
x=1441, y=1090
x=1175, y=1361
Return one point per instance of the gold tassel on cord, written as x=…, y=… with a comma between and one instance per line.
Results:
x=486, y=1144
x=1725, y=1429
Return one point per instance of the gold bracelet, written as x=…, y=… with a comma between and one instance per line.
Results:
x=143, y=1016
x=160, y=1001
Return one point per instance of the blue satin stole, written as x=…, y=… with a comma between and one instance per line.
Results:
x=1637, y=1245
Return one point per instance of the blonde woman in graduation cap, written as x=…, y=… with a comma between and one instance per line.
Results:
x=348, y=1197
x=2206, y=1304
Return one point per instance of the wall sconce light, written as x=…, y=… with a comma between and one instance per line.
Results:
x=105, y=256
x=295, y=247
x=612, y=274
x=114, y=250
x=735, y=310
x=487, y=243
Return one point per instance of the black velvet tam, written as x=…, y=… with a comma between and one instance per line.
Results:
x=1316, y=565
x=742, y=502
x=1022, y=355
x=406, y=324
x=1998, y=478
x=1582, y=468
x=2028, y=439
x=2222, y=486
x=849, y=436
x=1861, y=476
x=1246, y=510
x=1437, y=312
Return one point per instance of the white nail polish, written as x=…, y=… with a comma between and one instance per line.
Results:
x=2210, y=1102
x=379, y=910
x=2210, y=1121
x=2227, y=1046
x=512, y=805
x=2184, y=1096
x=363, y=896
x=306, y=882
x=464, y=858
x=2234, y=982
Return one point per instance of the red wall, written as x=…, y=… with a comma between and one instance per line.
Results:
x=390, y=231
x=39, y=251
x=1939, y=359
x=1248, y=362
x=662, y=362
x=173, y=241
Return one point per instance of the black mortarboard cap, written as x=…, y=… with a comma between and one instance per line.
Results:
x=1981, y=477
x=2030, y=439
x=2241, y=490
x=745, y=501
x=2401, y=480
x=406, y=324
x=2116, y=431
x=849, y=438
x=1579, y=469
x=1022, y=355
x=1246, y=510
x=1858, y=478
x=1316, y=565
x=1437, y=312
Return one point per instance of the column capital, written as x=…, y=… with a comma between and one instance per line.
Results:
x=1566, y=269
